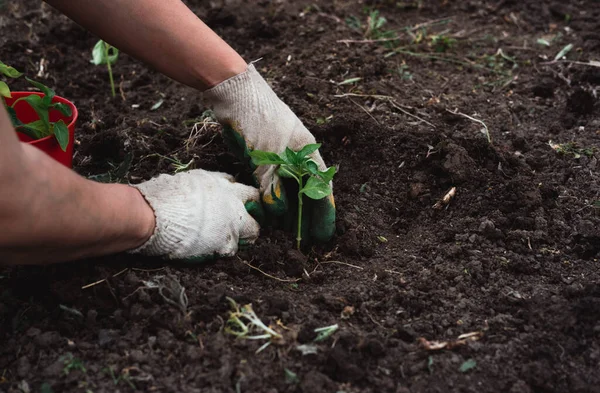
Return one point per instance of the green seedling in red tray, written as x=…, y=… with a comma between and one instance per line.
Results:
x=299, y=166
x=42, y=105
x=104, y=53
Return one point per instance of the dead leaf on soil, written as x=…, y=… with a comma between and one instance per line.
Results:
x=462, y=340
x=446, y=199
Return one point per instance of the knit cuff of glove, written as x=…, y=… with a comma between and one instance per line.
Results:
x=170, y=230
x=247, y=93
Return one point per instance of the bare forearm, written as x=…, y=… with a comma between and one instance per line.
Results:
x=49, y=213
x=162, y=33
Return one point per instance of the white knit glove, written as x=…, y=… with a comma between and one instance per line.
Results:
x=199, y=214
x=255, y=118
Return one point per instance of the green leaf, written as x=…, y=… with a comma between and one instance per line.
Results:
x=542, y=41
x=312, y=167
x=98, y=56
x=38, y=105
x=349, y=81
x=112, y=57
x=102, y=55
x=288, y=171
x=63, y=108
x=316, y=188
x=36, y=129
x=260, y=157
x=563, y=52
x=468, y=365
x=61, y=133
x=308, y=149
x=157, y=105
x=291, y=377
x=48, y=92
x=4, y=90
x=291, y=156
x=327, y=175
x=9, y=71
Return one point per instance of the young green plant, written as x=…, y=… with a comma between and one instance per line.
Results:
x=298, y=166
x=104, y=53
x=42, y=105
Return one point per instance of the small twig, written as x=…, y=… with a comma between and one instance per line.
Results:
x=121, y=91
x=389, y=99
x=147, y=270
x=104, y=279
x=267, y=274
x=395, y=105
x=364, y=109
x=428, y=23
x=367, y=41
x=591, y=63
x=487, y=131
x=376, y=96
x=343, y=263
x=391, y=271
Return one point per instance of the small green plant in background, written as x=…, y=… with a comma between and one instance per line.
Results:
x=104, y=53
x=42, y=105
x=571, y=149
x=245, y=324
x=72, y=363
x=298, y=166
x=373, y=28
x=442, y=43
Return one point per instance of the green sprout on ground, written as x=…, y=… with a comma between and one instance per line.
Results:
x=571, y=149
x=42, y=105
x=123, y=376
x=373, y=28
x=298, y=166
x=72, y=363
x=442, y=43
x=104, y=53
x=245, y=324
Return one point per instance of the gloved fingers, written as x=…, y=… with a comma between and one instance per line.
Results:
x=245, y=193
x=232, y=134
x=249, y=229
x=322, y=220
x=274, y=197
x=223, y=175
x=273, y=193
x=250, y=197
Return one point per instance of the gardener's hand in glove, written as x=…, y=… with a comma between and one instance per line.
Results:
x=255, y=118
x=199, y=214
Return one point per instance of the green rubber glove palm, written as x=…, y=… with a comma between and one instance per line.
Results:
x=255, y=118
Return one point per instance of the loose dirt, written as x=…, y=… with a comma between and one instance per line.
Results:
x=513, y=256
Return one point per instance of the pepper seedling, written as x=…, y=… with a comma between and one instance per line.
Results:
x=104, y=53
x=298, y=165
x=42, y=105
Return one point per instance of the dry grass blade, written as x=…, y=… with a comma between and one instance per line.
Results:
x=342, y=263
x=485, y=130
x=267, y=274
x=389, y=99
x=104, y=279
x=438, y=345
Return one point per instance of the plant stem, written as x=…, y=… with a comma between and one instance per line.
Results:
x=110, y=75
x=299, y=234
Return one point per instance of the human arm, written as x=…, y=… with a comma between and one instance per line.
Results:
x=168, y=36
x=164, y=34
x=49, y=213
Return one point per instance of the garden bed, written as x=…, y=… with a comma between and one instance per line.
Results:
x=511, y=261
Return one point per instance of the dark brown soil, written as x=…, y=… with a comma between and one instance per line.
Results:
x=513, y=256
